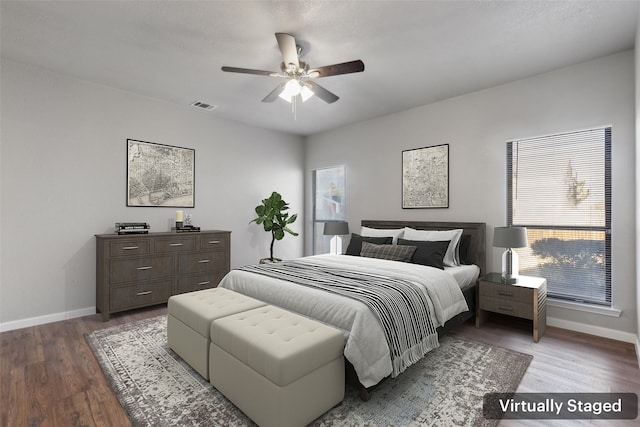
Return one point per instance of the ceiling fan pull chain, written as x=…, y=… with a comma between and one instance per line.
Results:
x=294, y=102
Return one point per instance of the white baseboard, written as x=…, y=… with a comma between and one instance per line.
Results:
x=49, y=318
x=595, y=330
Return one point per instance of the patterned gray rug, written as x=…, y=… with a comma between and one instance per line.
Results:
x=157, y=388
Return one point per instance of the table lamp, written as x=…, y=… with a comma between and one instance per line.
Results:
x=336, y=229
x=509, y=238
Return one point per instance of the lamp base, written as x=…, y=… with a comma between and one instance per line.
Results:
x=335, y=245
x=509, y=280
x=509, y=266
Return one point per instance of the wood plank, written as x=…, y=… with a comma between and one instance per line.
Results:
x=49, y=376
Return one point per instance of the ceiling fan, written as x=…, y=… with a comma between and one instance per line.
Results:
x=299, y=77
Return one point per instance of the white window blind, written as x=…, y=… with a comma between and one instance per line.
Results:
x=559, y=187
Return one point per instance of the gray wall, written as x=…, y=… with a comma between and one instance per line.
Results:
x=476, y=127
x=637, y=164
x=63, y=171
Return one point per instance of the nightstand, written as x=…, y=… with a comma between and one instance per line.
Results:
x=526, y=299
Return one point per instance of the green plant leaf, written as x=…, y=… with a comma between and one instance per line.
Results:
x=278, y=233
x=288, y=230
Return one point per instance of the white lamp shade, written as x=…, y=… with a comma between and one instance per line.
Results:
x=510, y=237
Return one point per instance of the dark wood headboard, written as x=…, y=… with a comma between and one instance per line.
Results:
x=477, y=245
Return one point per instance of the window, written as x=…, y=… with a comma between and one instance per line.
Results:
x=329, y=203
x=559, y=187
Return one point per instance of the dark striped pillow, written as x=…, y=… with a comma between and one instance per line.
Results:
x=402, y=253
x=355, y=244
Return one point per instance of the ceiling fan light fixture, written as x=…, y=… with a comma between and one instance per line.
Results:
x=293, y=88
x=285, y=97
x=306, y=93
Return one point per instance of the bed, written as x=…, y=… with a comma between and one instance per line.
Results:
x=335, y=289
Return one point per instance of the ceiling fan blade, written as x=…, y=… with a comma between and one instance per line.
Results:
x=287, y=44
x=250, y=71
x=322, y=93
x=356, y=66
x=273, y=95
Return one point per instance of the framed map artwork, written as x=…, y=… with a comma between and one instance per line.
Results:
x=425, y=177
x=160, y=175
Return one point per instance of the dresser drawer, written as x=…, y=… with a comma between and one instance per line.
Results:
x=130, y=247
x=174, y=244
x=201, y=261
x=138, y=269
x=512, y=308
x=140, y=295
x=199, y=281
x=214, y=241
x=506, y=292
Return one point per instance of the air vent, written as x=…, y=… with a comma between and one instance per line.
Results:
x=203, y=105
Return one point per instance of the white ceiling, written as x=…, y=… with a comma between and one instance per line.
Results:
x=415, y=52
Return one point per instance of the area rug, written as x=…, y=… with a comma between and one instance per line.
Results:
x=157, y=388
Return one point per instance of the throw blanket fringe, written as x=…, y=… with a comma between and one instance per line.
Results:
x=415, y=353
x=399, y=305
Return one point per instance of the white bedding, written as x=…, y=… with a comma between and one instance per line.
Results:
x=366, y=347
x=465, y=275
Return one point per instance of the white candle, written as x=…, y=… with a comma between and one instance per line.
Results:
x=178, y=216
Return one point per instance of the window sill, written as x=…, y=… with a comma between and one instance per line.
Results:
x=589, y=308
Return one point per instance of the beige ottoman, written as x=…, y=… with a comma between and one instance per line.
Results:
x=279, y=368
x=189, y=321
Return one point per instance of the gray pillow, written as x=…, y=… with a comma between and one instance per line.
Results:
x=402, y=253
x=355, y=244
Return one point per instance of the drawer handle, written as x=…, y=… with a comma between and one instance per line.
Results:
x=505, y=308
x=214, y=242
x=204, y=283
x=144, y=293
x=128, y=248
x=204, y=261
x=505, y=293
x=145, y=268
x=175, y=244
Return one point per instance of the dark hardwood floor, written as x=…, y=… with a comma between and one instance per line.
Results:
x=49, y=376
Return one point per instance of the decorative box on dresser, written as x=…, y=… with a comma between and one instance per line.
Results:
x=139, y=270
x=526, y=299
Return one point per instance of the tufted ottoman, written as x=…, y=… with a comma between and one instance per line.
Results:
x=189, y=322
x=279, y=368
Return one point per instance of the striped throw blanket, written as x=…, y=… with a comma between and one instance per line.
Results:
x=399, y=305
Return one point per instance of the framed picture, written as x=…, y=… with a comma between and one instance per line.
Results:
x=160, y=175
x=425, y=177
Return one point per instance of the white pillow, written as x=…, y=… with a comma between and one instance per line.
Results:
x=451, y=256
x=382, y=232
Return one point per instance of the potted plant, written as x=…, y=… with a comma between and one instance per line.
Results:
x=273, y=216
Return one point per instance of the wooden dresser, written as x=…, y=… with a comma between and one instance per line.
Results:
x=138, y=270
x=526, y=299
